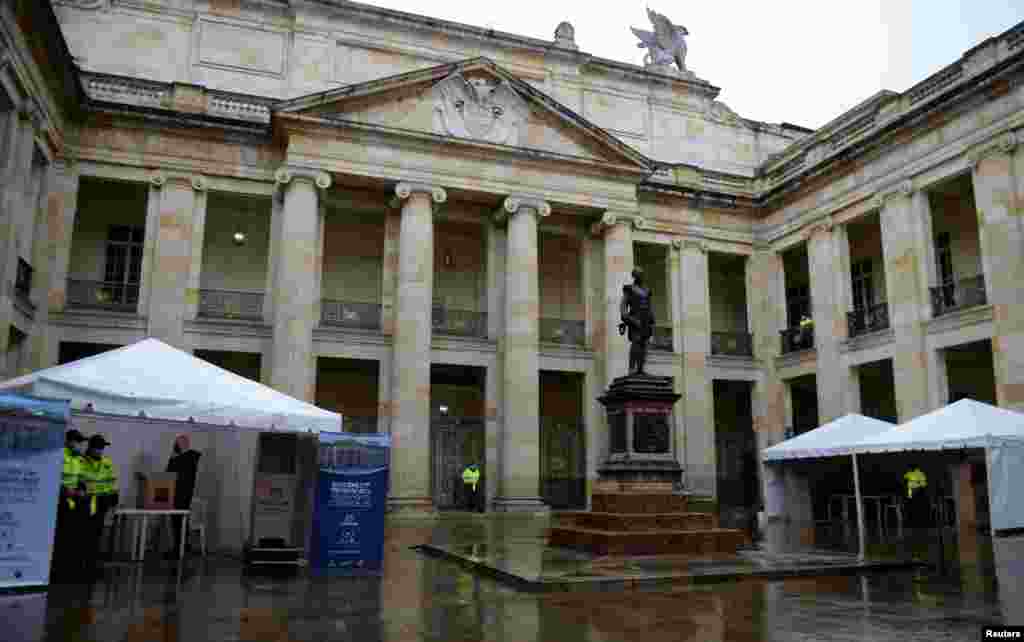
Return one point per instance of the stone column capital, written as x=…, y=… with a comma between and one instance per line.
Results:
x=904, y=188
x=197, y=182
x=696, y=245
x=677, y=244
x=608, y=221
x=285, y=175
x=512, y=205
x=406, y=189
x=1003, y=143
x=822, y=226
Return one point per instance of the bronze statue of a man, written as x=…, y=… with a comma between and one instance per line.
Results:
x=638, y=318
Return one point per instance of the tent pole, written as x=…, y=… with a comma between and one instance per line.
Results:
x=860, y=510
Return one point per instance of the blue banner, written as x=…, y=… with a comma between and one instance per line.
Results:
x=31, y=443
x=352, y=490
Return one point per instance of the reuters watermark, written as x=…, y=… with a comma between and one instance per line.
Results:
x=1002, y=633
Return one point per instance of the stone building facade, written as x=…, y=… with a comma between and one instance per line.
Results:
x=427, y=226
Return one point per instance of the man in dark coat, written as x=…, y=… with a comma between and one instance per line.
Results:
x=184, y=462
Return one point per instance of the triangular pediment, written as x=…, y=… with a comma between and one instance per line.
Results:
x=474, y=101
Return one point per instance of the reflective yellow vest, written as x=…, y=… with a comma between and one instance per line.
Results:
x=100, y=479
x=471, y=477
x=71, y=474
x=915, y=479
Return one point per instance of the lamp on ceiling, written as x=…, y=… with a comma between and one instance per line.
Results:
x=239, y=237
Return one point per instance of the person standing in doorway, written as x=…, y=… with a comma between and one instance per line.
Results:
x=470, y=480
x=184, y=462
x=72, y=498
x=918, y=509
x=101, y=482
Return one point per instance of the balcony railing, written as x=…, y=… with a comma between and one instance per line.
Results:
x=563, y=331
x=230, y=304
x=796, y=339
x=866, y=320
x=736, y=344
x=464, y=323
x=346, y=314
x=103, y=295
x=662, y=339
x=957, y=295
x=23, y=282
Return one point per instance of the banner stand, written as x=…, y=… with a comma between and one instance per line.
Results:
x=351, y=494
x=31, y=458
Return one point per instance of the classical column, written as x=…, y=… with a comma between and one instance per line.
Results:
x=905, y=222
x=618, y=264
x=195, y=271
x=829, y=314
x=410, y=422
x=15, y=174
x=171, y=227
x=54, y=241
x=1000, y=203
x=296, y=288
x=674, y=306
x=389, y=270
x=766, y=289
x=520, y=439
x=698, y=400
x=494, y=382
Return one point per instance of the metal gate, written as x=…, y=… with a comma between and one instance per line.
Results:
x=456, y=443
x=563, y=463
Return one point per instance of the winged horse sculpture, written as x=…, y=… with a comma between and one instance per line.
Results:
x=665, y=45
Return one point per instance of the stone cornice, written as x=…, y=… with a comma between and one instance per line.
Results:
x=867, y=341
x=697, y=245
x=800, y=357
x=960, y=319
x=900, y=189
x=514, y=204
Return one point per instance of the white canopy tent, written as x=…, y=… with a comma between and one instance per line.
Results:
x=142, y=395
x=964, y=425
x=833, y=439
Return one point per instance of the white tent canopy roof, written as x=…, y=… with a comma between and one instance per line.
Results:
x=163, y=382
x=964, y=424
x=830, y=440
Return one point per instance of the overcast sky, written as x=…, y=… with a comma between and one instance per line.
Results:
x=798, y=61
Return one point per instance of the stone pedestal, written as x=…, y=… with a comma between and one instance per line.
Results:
x=639, y=411
x=636, y=509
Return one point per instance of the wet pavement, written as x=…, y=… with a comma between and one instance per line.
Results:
x=424, y=598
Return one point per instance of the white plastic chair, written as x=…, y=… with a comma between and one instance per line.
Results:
x=197, y=523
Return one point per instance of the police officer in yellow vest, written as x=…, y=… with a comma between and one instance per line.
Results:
x=69, y=509
x=917, y=482
x=470, y=479
x=100, y=478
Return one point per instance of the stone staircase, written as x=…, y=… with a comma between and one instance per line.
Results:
x=643, y=523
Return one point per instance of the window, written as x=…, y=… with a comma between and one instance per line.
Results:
x=124, y=263
x=798, y=304
x=863, y=286
x=944, y=258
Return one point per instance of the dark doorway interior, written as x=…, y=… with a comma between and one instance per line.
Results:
x=457, y=434
x=73, y=351
x=349, y=387
x=562, y=443
x=243, y=364
x=739, y=495
x=971, y=372
x=878, y=391
x=804, y=393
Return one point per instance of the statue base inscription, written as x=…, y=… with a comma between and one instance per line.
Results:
x=637, y=509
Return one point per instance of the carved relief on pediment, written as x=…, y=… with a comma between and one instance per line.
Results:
x=479, y=107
